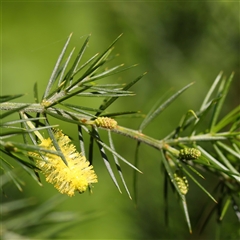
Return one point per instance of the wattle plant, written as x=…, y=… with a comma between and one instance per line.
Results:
x=182, y=153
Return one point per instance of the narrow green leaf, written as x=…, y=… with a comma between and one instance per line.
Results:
x=97, y=94
x=135, y=176
x=199, y=185
x=156, y=105
x=225, y=208
x=66, y=115
x=112, y=85
x=109, y=149
x=236, y=145
x=215, y=162
x=27, y=166
x=80, y=109
x=223, y=90
x=226, y=162
x=211, y=90
x=9, y=175
x=95, y=65
x=26, y=125
x=198, y=138
x=63, y=221
x=105, y=73
x=185, y=209
x=200, y=115
x=81, y=140
x=10, y=145
x=118, y=164
x=162, y=107
x=56, y=69
x=229, y=149
x=63, y=81
x=235, y=125
x=115, y=114
x=109, y=90
x=8, y=123
x=31, y=218
x=35, y=93
x=183, y=122
x=91, y=145
x=83, y=66
x=231, y=117
x=73, y=69
x=10, y=134
x=55, y=143
x=109, y=72
x=11, y=206
x=110, y=101
x=105, y=158
x=22, y=131
x=196, y=172
x=7, y=98
x=211, y=167
x=134, y=81
x=80, y=54
x=119, y=156
x=105, y=53
x=16, y=110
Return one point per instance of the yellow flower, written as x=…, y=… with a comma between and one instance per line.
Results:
x=77, y=176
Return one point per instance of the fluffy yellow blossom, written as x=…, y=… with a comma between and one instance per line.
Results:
x=77, y=176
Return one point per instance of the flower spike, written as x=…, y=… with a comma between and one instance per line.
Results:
x=189, y=154
x=182, y=183
x=105, y=122
x=77, y=176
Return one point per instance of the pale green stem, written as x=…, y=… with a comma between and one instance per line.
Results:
x=137, y=135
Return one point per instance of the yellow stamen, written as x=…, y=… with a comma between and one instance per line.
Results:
x=77, y=176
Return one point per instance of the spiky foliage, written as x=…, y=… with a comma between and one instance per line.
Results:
x=181, y=151
x=19, y=216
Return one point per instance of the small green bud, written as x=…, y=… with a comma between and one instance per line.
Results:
x=105, y=122
x=182, y=183
x=189, y=154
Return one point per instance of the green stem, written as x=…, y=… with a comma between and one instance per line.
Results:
x=139, y=136
x=38, y=108
x=32, y=107
x=134, y=134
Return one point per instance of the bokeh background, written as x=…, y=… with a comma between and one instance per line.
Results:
x=176, y=43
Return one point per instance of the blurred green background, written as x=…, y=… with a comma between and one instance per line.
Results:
x=176, y=43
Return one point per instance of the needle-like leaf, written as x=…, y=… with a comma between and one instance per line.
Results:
x=105, y=159
x=7, y=98
x=162, y=107
x=118, y=164
x=223, y=90
x=55, y=72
